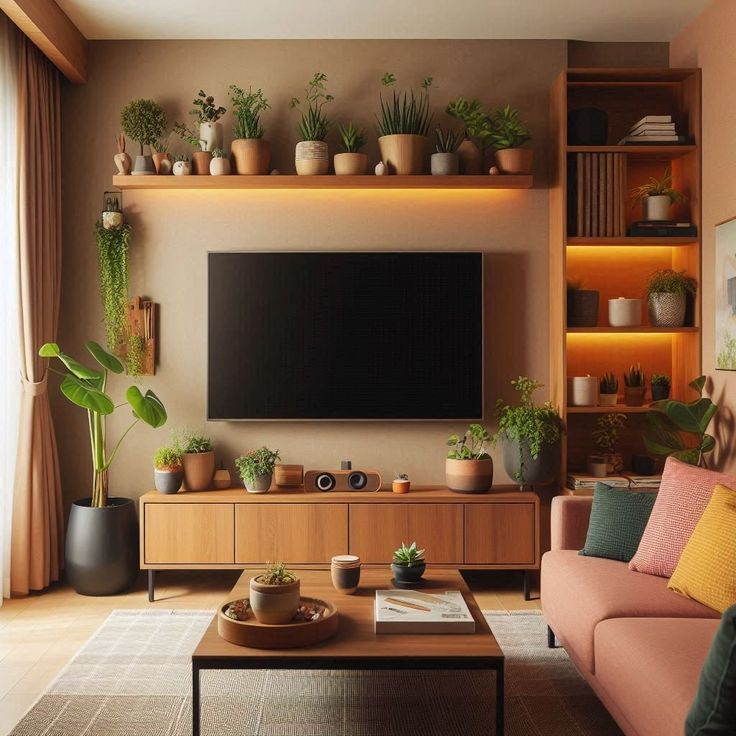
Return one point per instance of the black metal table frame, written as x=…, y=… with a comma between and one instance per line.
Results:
x=495, y=664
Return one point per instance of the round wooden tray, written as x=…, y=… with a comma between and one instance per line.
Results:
x=252, y=633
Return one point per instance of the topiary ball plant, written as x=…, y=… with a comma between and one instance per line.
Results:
x=143, y=121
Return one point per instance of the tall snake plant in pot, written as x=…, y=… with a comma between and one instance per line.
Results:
x=102, y=535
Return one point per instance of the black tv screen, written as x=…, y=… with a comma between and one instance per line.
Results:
x=345, y=336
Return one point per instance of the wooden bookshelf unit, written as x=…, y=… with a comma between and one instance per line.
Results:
x=620, y=266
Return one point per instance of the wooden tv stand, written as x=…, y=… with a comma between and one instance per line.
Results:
x=233, y=529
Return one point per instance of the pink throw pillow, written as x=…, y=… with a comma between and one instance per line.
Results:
x=682, y=498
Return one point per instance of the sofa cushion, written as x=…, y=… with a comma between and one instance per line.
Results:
x=617, y=521
x=650, y=667
x=580, y=592
x=682, y=498
x=713, y=712
x=706, y=571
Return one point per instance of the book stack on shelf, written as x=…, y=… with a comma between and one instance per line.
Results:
x=599, y=198
x=662, y=229
x=653, y=130
x=581, y=484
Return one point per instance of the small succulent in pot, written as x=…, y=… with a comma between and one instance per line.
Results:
x=668, y=291
x=220, y=164
x=445, y=161
x=635, y=385
x=660, y=384
x=275, y=594
x=182, y=165
x=608, y=395
x=198, y=457
x=256, y=469
x=408, y=564
x=351, y=162
x=605, y=434
x=168, y=469
x=401, y=483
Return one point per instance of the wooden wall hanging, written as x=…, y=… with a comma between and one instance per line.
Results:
x=142, y=321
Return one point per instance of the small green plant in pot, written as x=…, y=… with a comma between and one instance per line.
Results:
x=667, y=293
x=657, y=197
x=182, y=166
x=351, y=162
x=143, y=121
x=635, y=386
x=220, y=164
x=582, y=305
x=468, y=466
x=408, y=564
x=530, y=436
x=275, y=594
x=251, y=151
x=198, y=457
x=312, y=154
x=608, y=393
x=660, y=384
x=477, y=133
x=445, y=161
x=168, y=470
x=256, y=469
x=207, y=114
x=508, y=135
x=605, y=435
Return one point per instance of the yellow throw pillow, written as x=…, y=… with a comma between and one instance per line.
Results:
x=706, y=571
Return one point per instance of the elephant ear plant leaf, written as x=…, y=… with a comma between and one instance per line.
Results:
x=87, y=388
x=678, y=428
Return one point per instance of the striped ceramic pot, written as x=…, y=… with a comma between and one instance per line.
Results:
x=312, y=158
x=667, y=310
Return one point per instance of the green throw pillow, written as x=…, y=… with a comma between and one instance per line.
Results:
x=713, y=712
x=617, y=522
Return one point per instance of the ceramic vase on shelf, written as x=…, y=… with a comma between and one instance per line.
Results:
x=515, y=160
x=210, y=135
x=444, y=164
x=219, y=166
x=182, y=168
x=624, y=312
x=312, y=158
x=656, y=207
x=162, y=163
x=350, y=164
x=470, y=159
x=597, y=466
x=582, y=307
x=251, y=156
x=201, y=162
x=403, y=153
x=582, y=391
x=667, y=310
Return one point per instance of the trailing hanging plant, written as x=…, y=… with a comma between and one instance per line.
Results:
x=406, y=112
x=313, y=125
x=112, y=251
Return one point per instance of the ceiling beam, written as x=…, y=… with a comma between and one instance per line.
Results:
x=46, y=24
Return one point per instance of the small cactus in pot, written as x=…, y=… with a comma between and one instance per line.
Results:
x=608, y=394
x=635, y=385
x=660, y=386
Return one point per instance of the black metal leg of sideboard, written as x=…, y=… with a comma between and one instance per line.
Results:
x=527, y=586
x=151, y=585
x=551, y=639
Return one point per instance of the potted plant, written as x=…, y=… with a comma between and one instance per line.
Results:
x=312, y=155
x=122, y=159
x=351, y=162
x=275, y=594
x=182, y=166
x=220, y=164
x=508, y=135
x=168, y=470
x=144, y=121
x=102, y=534
x=408, y=564
x=608, y=393
x=530, y=436
x=468, y=467
x=250, y=151
x=256, y=469
x=660, y=384
x=161, y=158
x=605, y=435
x=198, y=459
x=657, y=196
x=200, y=158
x=477, y=124
x=401, y=483
x=210, y=131
x=403, y=127
x=635, y=386
x=582, y=305
x=667, y=293
x=444, y=161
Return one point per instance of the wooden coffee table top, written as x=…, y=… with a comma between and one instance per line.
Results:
x=355, y=639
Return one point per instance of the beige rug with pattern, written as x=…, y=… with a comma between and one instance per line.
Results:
x=132, y=678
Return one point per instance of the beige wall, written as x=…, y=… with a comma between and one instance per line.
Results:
x=708, y=43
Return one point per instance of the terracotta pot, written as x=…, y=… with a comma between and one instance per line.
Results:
x=400, y=486
x=470, y=157
x=656, y=207
x=222, y=479
x=219, y=167
x=469, y=476
x=251, y=156
x=211, y=135
x=515, y=160
x=404, y=154
x=350, y=164
x=182, y=168
x=162, y=163
x=444, y=164
x=312, y=158
x=667, y=310
x=123, y=162
x=274, y=604
x=607, y=399
x=634, y=395
x=201, y=161
x=199, y=467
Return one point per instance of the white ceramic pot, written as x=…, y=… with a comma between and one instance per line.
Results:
x=182, y=168
x=112, y=220
x=657, y=207
x=211, y=134
x=624, y=312
x=312, y=158
x=582, y=391
x=220, y=167
x=607, y=399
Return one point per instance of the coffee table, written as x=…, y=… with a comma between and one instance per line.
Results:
x=356, y=646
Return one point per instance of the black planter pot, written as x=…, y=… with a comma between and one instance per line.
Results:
x=408, y=573
x=582, y=307
x=539, y=472
x=102, y=547
x=660, y=392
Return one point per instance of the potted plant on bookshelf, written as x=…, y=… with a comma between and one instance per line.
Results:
x=102, y=534
x=667, y=294
x=657, y=197
x=508, y=135
x=608, y=393
x=144, y=121
x=220, y=164
x=530, y=436
x=161, y=157
x=605, y=435
x=210, y=131
x=200, y=158
x=660, y=384
x=635, y=384
x=168, y=472
x=251, y=152
x=408, y=564
x=401, y=483
x=182, y=165
x=256, y=469
x=472, y=150
x=582, y=305
x=351, y=162
x=403, y=127
x=312, y=154
x=198, y=459
x=468, y=467
x=445, y=161
x=275, y=594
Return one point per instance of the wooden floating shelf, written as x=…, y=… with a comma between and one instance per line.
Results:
x=618, y=409
x=628, y=241
x=291, y=181
x=651, y=151
x=624, y=330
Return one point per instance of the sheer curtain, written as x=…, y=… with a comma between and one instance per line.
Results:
x=10, y=383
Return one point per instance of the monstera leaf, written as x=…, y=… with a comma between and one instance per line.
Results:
x=84, y=394
x=105, y=359
x=52, y=350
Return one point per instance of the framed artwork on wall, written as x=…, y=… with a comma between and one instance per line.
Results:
x=725, y=270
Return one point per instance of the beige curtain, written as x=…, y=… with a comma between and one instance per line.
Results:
x=36, y=556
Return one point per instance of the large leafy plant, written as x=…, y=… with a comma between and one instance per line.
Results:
x=314, y=125
x=476, y=120
x=87, y=387
x=507, y=129
x=257, y=462
x=247, y=109
x=469, y=446
x=679, y=428
x=406, y=112
x=143, y=121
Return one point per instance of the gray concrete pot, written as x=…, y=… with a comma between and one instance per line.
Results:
x=168, y=481
x=261, y=484
x=408, y=573
x=444, y=164
x=143, y=166
x=524, y=469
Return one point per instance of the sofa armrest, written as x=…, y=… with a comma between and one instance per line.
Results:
x=570, y=517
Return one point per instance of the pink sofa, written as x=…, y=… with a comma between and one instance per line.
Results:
x=639, y=645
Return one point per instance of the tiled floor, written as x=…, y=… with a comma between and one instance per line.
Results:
x=39, y=634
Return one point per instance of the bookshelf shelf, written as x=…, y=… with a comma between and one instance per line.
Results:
x=630, y=330
x=652, y=151
x=632, y=241
x=618, y=409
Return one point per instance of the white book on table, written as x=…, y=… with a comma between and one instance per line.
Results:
x=417, y=612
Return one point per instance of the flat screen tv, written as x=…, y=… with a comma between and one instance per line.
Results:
x=345, y=336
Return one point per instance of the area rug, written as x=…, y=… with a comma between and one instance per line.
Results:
x=132, y=678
